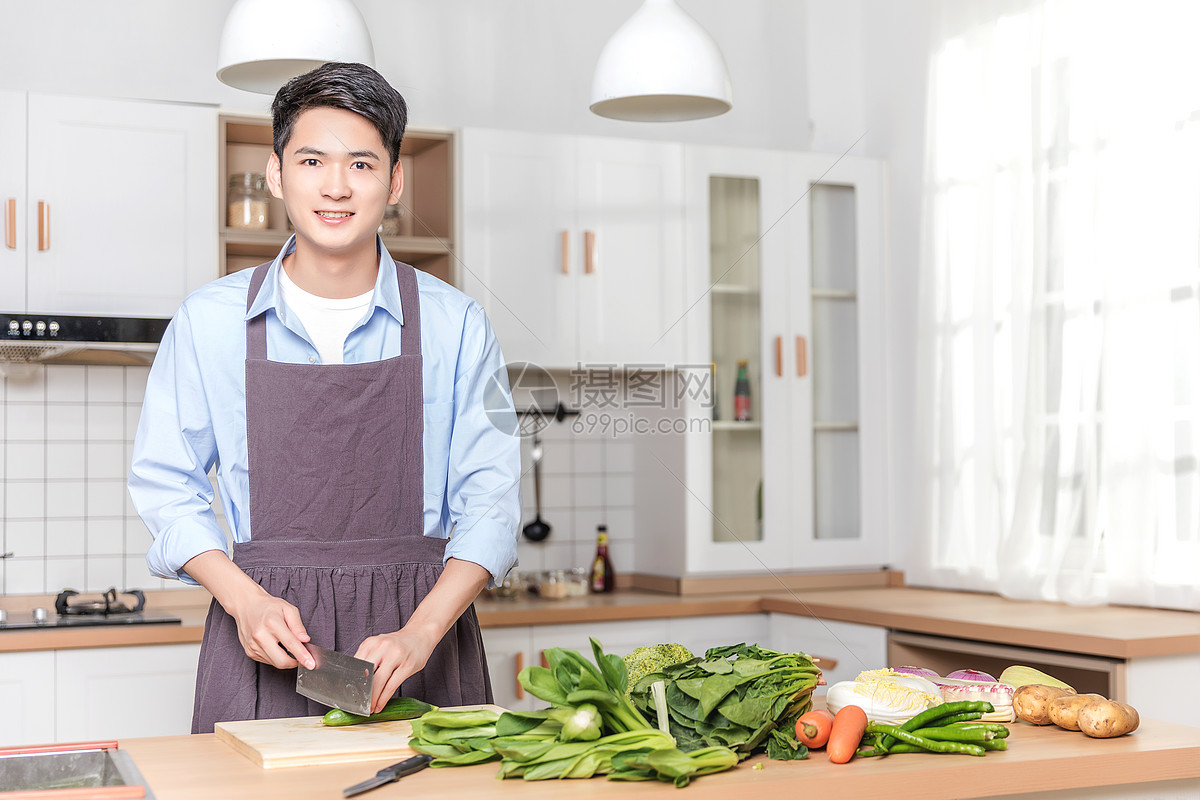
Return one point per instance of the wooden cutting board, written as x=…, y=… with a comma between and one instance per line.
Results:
x=304, y=741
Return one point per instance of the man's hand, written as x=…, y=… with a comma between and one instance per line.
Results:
x=269, y=628
x=271, y=631
x=396, y=657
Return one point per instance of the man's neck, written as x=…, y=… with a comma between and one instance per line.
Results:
x=332, y=275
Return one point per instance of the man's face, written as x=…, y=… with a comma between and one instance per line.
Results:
x=334, y=179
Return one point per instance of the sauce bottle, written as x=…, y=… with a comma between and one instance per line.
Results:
x=602, y=578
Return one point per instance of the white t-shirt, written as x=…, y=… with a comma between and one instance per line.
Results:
x=328, y=320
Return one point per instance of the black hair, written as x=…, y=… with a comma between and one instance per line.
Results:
x=348, y=86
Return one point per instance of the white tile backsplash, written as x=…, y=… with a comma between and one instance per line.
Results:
x=66, y=422
x=66, y=573
x=24, y=499
x=66, y=384
x=66, y=499
x=66, y=538
x=66, y=461
x=67, y=435
x=106, y=422
x=25, y=422
x=26, y=388
x=105, y=537
x=105, y=385
x=24, y=575
x=106, y=460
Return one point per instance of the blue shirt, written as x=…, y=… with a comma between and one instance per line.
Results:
x=194, y=416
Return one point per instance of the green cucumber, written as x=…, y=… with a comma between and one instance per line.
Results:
x=397, y=708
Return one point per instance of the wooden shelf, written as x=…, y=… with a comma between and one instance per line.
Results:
x=733, y=425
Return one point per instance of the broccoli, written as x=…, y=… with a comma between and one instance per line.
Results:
x=654, y=658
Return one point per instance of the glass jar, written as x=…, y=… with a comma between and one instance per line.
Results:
x=393, y=217
x=577, y=582
x=248, y=201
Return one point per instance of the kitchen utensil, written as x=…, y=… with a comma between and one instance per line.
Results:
x=388, y=774
x=304, y=741
x=337, y=680
x=537, y=530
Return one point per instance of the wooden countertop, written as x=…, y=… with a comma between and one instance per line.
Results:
x=1110, y=631
x=1038, y=759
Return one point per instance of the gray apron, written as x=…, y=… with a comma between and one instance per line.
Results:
x=336, y=510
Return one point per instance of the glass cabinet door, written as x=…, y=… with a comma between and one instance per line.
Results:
x=735, y=277
x=835, y=362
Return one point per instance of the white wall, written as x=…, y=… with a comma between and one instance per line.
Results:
x=520, y=64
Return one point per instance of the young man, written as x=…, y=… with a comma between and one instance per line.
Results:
x=342, y=398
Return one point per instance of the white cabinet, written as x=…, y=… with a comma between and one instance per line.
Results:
x=27, y=697
x=786, y=272
x=508, y=651
x=573, y=245
x=109, y=206
x=119, y=692
x=844, y=648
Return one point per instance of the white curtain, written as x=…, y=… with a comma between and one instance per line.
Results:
x=1059, y=379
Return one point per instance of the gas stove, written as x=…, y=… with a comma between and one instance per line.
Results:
x=87, y=612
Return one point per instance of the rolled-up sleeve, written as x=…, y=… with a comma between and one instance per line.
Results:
x=173, y=451
x=484, y=472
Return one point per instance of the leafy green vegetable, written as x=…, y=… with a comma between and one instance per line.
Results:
x=579, y=724
x=654, y=658
x=733, y=697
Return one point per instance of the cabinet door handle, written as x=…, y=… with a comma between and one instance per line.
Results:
x=10, y=223
x=801, y=357
x=520, y=666
x=589, y=252
x=43, y=225
x=545, y=662
x=566, y=253
x=778, y=356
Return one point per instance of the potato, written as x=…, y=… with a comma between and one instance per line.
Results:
x=1030, y=702
x=1064, y=710
x=1104, y=719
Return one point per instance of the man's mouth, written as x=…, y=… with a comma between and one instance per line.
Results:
x=335, y=214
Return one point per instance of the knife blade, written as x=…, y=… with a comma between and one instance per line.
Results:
x=337, y=680
x=389, y=774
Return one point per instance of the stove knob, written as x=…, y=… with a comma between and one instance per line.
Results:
x=40, y=615
x=26, y=327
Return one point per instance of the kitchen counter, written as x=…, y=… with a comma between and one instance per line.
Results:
x=1038, y=760
x=1107, y=631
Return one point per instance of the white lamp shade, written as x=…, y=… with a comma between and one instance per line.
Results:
x=266, y=43
x=661, y=66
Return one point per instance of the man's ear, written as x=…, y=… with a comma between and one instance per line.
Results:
x=397, y=186
x=274, y=176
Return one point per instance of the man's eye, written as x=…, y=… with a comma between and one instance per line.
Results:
x=360, y=165
x=309, y=162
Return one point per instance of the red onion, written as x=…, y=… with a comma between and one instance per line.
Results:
x=919, y=671
x=971, y=675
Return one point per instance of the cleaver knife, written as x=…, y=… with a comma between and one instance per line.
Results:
x=337, y=680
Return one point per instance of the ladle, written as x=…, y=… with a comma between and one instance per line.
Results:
x=537, y=530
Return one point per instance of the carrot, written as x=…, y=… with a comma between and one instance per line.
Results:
x=812, y=729
x=849, y=725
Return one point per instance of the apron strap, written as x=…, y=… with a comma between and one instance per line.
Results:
x=256, y=329
x=410, y=307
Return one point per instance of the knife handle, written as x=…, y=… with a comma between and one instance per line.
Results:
x=407, y=767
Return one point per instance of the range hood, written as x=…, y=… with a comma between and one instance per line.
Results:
x=64, y=339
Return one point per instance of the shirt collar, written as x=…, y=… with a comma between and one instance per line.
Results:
x=385, y=296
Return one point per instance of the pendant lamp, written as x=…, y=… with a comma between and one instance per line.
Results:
x=265, y=43
x=661, y=66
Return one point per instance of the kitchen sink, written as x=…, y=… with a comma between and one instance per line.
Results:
x=82, y=766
